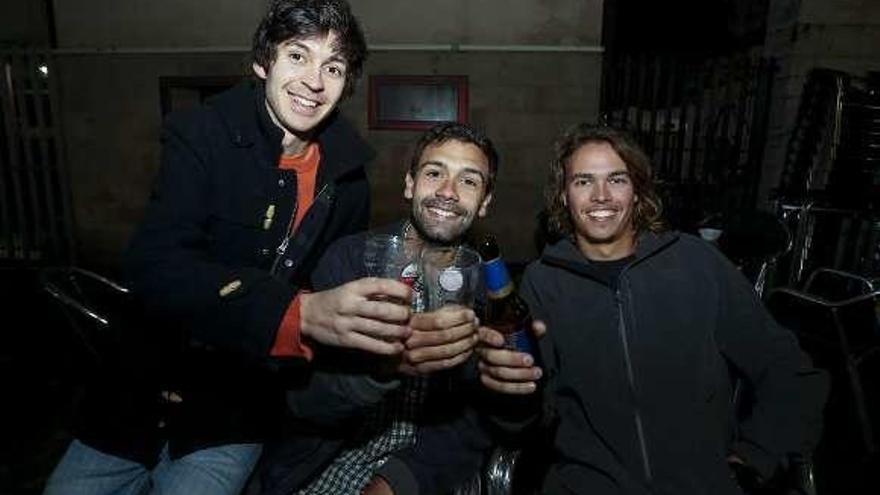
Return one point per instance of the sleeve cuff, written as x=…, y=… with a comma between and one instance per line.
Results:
x=288, y=341
x=398, y=475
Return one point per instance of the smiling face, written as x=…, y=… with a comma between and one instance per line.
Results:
x=449, y=190
x=600, y=199
x=304, y=83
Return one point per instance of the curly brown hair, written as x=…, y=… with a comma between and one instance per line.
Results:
x=648, y=211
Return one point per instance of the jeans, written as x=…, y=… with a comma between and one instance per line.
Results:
x=212, y=471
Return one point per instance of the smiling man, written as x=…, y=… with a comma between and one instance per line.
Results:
x=600, y=198
x=252, y=189
x=449, y=183
x=647, y=330
x=401, y=425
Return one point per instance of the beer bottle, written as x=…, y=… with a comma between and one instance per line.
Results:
x=506, y=312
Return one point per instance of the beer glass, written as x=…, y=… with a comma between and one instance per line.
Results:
x=452, y=275
x=389, y=256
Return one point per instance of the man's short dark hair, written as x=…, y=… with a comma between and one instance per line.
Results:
x=446, y=131
x=648, y=210
x=298, y=19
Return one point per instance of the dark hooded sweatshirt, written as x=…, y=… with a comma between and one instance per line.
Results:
x=640, y=373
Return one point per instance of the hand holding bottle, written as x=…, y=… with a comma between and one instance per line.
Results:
x=509, y=355
x=506, y=370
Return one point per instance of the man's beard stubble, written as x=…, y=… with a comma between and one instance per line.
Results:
x=419, y=223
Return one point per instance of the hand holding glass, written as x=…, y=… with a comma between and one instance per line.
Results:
x=388, y=256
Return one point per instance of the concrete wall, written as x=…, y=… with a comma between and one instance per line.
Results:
x=104, y=23
x=113, y=53
x=804, y=34
x=153, y=23
x=111, y=120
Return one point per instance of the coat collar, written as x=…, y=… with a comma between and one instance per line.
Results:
x=243, y=111
x=565, y=253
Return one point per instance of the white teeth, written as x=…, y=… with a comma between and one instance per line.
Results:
x=304, y=102
x=601, y=214
x=442, y=213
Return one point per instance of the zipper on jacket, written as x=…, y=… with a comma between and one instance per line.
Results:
x=282, y=247
x=640, y=432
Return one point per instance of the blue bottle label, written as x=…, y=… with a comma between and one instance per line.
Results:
x=498, y=282
x=521, y=340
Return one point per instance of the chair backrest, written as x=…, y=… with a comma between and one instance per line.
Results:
x=853, y=300
x=754, y=240
x=810, y=318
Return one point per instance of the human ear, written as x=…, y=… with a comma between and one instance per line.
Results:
x=259, y=70
x=484, y=206
x=409, y=186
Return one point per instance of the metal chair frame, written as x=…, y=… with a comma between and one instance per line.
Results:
x=67, y=285
x=852, y=357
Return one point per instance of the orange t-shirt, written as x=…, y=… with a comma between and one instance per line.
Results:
x=305, y=164
x=288, y=341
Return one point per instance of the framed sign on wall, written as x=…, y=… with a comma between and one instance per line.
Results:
x=416, y=102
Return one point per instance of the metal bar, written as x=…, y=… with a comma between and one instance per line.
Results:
x=696, y=127
x=855, y=383
x=66, y=299
x=19, y=233
x=655, y=90
x=672, y=78
x=35, y=221
x=730, y=164
x=624, y=96
x=76, y=271
x=683, y=125
x=43, y=169
x=743, y=102
x=759, y=123
x=638, y=98
x=713, y=116
x=6, y=192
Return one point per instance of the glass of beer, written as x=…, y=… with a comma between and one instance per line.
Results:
x=452, y=275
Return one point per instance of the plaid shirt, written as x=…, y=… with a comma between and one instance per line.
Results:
x=390, y=427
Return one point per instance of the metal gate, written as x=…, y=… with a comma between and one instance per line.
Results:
x=702, y=121
x=35, y=216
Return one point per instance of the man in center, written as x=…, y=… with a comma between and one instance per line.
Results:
x=377, y=425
